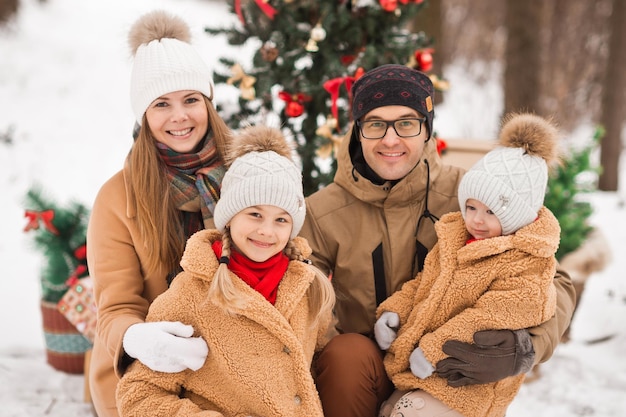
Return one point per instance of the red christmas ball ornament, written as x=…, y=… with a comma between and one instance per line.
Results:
x=424, y=58
x=81, y=252
x=389, y=5
x=294, y=109
x=441, y=145
x=294, y=106
x=347, y=59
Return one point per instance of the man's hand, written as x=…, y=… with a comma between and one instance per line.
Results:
x=496, y=354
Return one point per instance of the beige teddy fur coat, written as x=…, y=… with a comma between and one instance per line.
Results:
x=259, y=361
x=499, y=283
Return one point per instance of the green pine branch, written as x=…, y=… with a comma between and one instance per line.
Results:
x=563, y=196
x=58, y=249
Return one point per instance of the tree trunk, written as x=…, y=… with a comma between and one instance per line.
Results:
x=613, y=99
x=522, y=80
x=429, y=20
x=8, y=8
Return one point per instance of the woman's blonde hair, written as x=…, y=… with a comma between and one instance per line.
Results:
x=158, y=218
x=223, y=292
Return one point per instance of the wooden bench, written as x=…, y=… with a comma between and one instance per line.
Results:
x=466, y=152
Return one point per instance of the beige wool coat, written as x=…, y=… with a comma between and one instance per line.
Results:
x=259, y=361
x=504, y=282
x=123, y=290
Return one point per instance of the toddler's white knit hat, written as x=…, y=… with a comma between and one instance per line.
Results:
x=164, y=61
x=511, y=179
x=261, y=173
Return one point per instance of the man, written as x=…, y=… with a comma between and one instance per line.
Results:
x=372, y=228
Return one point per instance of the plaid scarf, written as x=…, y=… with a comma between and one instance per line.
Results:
x=195, y=174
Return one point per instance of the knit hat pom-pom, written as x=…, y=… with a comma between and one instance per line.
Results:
x=156, y=26
x=536, y=135
x=260, y=172
x=257, y=139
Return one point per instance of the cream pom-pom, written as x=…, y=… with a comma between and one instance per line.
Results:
x=157, y=25
x=536, y=135
x=258, y=139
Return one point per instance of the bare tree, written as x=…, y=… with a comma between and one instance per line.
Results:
x=430, y=22
x=571, y=42
x=522, y=60
x=613, y=99
x=8, y=8
x=574, y=59
x=473, y=30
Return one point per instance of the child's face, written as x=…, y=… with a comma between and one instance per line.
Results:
x=480, y=221
x=260, y=232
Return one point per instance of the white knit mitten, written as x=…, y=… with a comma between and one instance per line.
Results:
x=420, y=366
x=385, y=329
x=165, y=346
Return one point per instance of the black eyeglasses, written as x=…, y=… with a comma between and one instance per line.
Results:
x=404, y=128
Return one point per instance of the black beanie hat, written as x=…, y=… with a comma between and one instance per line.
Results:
x=394, y=85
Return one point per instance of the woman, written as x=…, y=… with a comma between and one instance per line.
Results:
x=143, y=215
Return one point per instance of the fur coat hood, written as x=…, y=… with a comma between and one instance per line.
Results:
x=259, y=361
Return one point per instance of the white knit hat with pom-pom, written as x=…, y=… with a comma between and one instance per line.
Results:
x=261, y=173
x=511, y=179
x=164, y=61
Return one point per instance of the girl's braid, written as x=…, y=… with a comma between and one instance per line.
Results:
x=226, y=245
x=293, y=252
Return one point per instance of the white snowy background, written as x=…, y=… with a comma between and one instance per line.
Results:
x=64, y=75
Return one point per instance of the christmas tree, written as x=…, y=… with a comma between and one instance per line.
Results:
x=60, y=235
x=576, y=175
x=311, y=52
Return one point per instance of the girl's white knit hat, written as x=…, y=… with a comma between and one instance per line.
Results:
x=261, y=173
x=164, y=61
x=511, y=179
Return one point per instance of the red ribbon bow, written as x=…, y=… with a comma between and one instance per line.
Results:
x=73, y=279
x=34, y=217
x=81, y=254
x=334, y=85
x=294, y=107
x=263, y=5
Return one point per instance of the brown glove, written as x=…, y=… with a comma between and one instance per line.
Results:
x=496, y=354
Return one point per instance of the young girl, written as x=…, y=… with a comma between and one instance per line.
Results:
x=492, y=268
x=249, y=292
x=144, y=214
